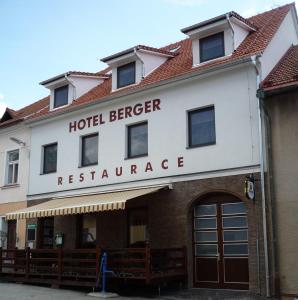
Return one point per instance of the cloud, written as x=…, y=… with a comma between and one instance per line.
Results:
x=185, y=2
x=249, y=12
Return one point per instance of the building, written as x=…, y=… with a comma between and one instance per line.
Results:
x=14, y=165
x=280, y=92
x=158, y=148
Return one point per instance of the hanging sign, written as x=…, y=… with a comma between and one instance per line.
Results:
x=250, y=187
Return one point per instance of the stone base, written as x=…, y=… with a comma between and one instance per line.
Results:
x=103, y=295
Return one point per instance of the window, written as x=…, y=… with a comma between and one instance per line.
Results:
x=201, y=127
x=212, y=47
x=137, y=140
x=89, y=150
x=126, y=75
x=138, y=227
x=61, y=96
x=12, y=167
x=50, y=158
x=88, y=234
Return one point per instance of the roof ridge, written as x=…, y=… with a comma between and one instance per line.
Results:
x=270, y=10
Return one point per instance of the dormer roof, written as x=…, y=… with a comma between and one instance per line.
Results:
x=153, y=50
x=99, y=75
x=230, y=14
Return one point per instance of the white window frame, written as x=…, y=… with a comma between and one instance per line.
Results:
x=14, y=163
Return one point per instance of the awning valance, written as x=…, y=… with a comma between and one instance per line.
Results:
x=81, y=204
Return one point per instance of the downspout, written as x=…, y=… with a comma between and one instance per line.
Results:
x=264, y=212
x=232, y=29
x=74, y=87
x=143, y=64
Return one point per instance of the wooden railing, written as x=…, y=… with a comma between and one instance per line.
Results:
x=82, y=266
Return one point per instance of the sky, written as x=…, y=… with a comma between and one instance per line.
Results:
x=40, y=39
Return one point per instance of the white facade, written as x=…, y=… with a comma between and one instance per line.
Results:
x=233, y=94
x=14, y=196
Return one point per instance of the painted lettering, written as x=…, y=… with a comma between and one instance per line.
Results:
x=104, y=174
x=119, y=171
x=148, y=167
x=60, y=179
x=70, y=179
x=92, y=175
x=164, y=164
x=133, y=169
x=180, y=162
x=82, y=177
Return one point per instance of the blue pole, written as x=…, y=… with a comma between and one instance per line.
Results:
x=104, y=271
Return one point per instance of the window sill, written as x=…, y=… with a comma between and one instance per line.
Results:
x=48, y=173
x=201, y=145
x=90, y=165
x=136, y=156
x=10, y=186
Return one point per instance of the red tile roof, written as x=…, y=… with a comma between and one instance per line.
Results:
x=28, y=111
x=266, y=25
x=285, y=72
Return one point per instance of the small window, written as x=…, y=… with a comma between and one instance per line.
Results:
x=137, y=140
x=89, y=150
x=212, y=47
x=138, y=227
x=201, y=127
x=61, y=96
x=126, y=75
x=50, y=158
x=12, y=167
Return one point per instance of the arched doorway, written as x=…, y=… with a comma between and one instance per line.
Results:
x=220, y=242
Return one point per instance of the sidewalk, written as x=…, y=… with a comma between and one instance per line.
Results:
x=10, y=291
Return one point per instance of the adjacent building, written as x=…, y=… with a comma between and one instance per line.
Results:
x=159, y=147
x=280, y=98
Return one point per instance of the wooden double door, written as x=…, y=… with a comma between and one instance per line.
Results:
x=220, y=241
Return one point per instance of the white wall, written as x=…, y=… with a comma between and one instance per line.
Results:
x=233, y=95
x=19, y=192
x=285, y=36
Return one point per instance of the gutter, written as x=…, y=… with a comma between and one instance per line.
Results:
x=143, y=64
x=74, y=87
x=114, y=96
x=255, y=61
x=232, y=29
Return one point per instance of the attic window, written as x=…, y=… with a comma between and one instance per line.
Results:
x=61, y=96
x=212, y=47
x=126, y=75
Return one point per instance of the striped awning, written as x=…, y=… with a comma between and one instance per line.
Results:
x=81, y=204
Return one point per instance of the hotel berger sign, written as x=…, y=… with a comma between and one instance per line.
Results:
x=97, y=175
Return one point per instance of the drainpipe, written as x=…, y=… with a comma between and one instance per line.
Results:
x=232, y=29
x=74, y=87
x=143, y=64
x=255, y=61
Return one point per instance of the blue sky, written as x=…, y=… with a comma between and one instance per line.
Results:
x=43, y=38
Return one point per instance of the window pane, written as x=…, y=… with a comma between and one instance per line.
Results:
x=13, y=156
x=16, y=171
x=89, y=230
x=209, y=223
x=212, y=47
x=50, y=158
x=206, y=236
x=233, y=208
x=206, y=250
x=202, y=127
x=235, y=235
x=233, y=222
x=89, y=150
x=61, y=96
x=235, y=249
x=126, y=75
x=138, y=140
x=205, y=210
x=138, y=227
x=10, y=174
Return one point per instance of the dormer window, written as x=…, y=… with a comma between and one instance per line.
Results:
x=212, y=47
x=126, y=75
x=61, y=96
